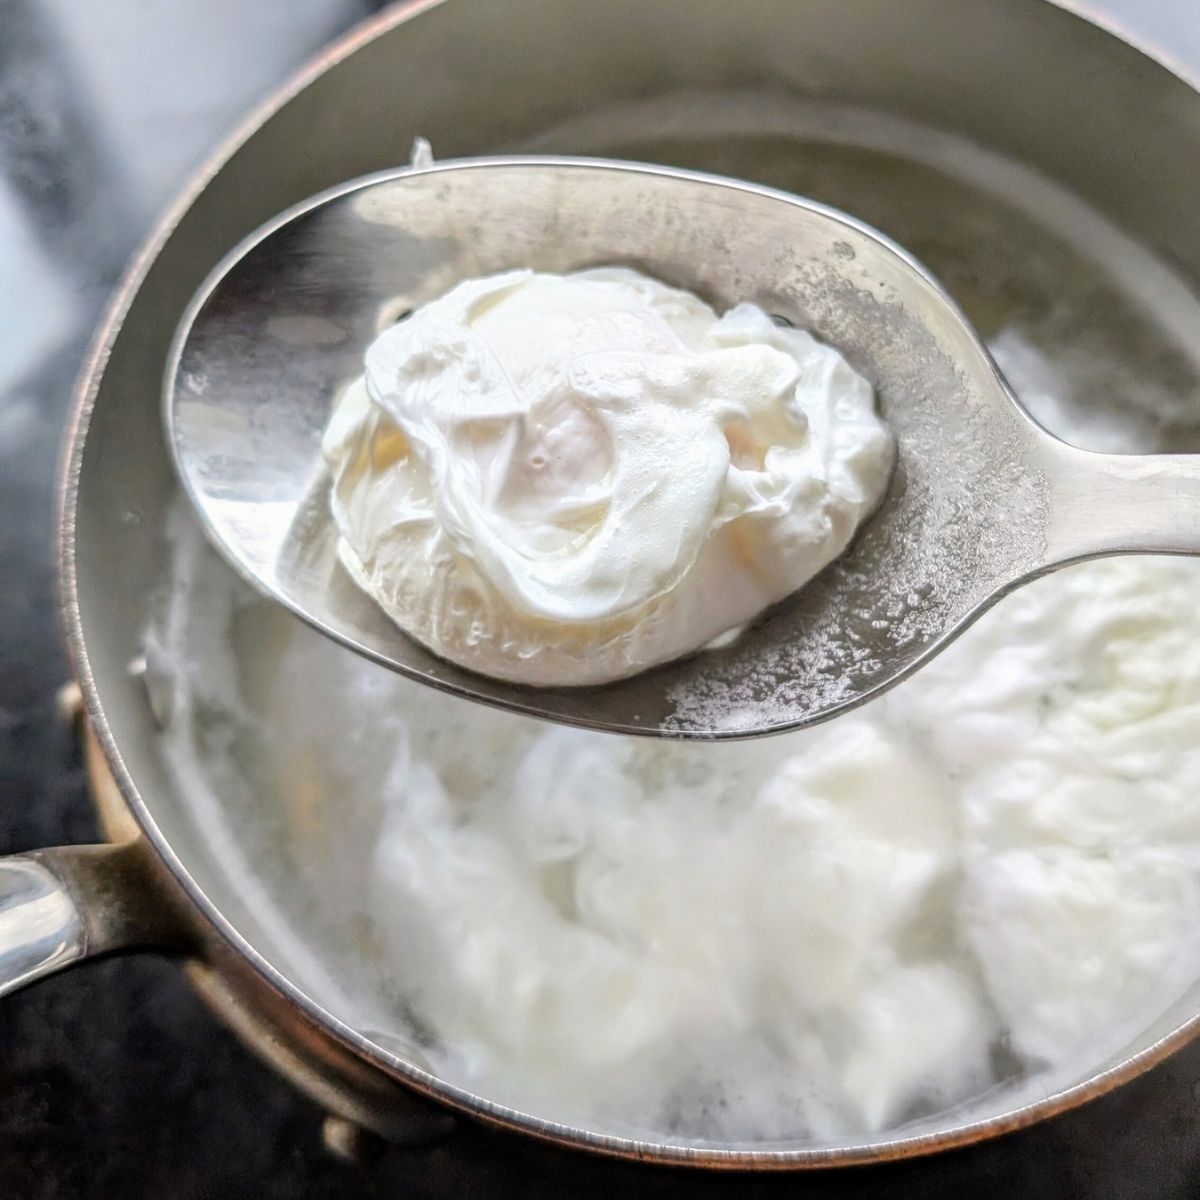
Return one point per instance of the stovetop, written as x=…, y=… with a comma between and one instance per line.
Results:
x=114, y=1080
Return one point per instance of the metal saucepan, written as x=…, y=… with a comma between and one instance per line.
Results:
x=1014, y=126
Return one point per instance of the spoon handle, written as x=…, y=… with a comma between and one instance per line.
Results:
x=1121, y=504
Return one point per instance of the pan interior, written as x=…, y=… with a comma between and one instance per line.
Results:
x=284, y=744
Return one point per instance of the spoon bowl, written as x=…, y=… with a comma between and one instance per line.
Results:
x=981, y=500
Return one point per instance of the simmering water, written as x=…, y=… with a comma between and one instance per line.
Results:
x=987, y=882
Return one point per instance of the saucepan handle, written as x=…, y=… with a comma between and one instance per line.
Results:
x=61, y=906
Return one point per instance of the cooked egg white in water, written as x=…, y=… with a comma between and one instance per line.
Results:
x=993, y=872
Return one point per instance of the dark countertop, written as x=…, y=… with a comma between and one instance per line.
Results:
x=114, y=1080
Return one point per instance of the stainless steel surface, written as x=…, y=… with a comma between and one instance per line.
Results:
x=980, y=502
x=40, y=929
x=816, y=98
x=61, y=906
